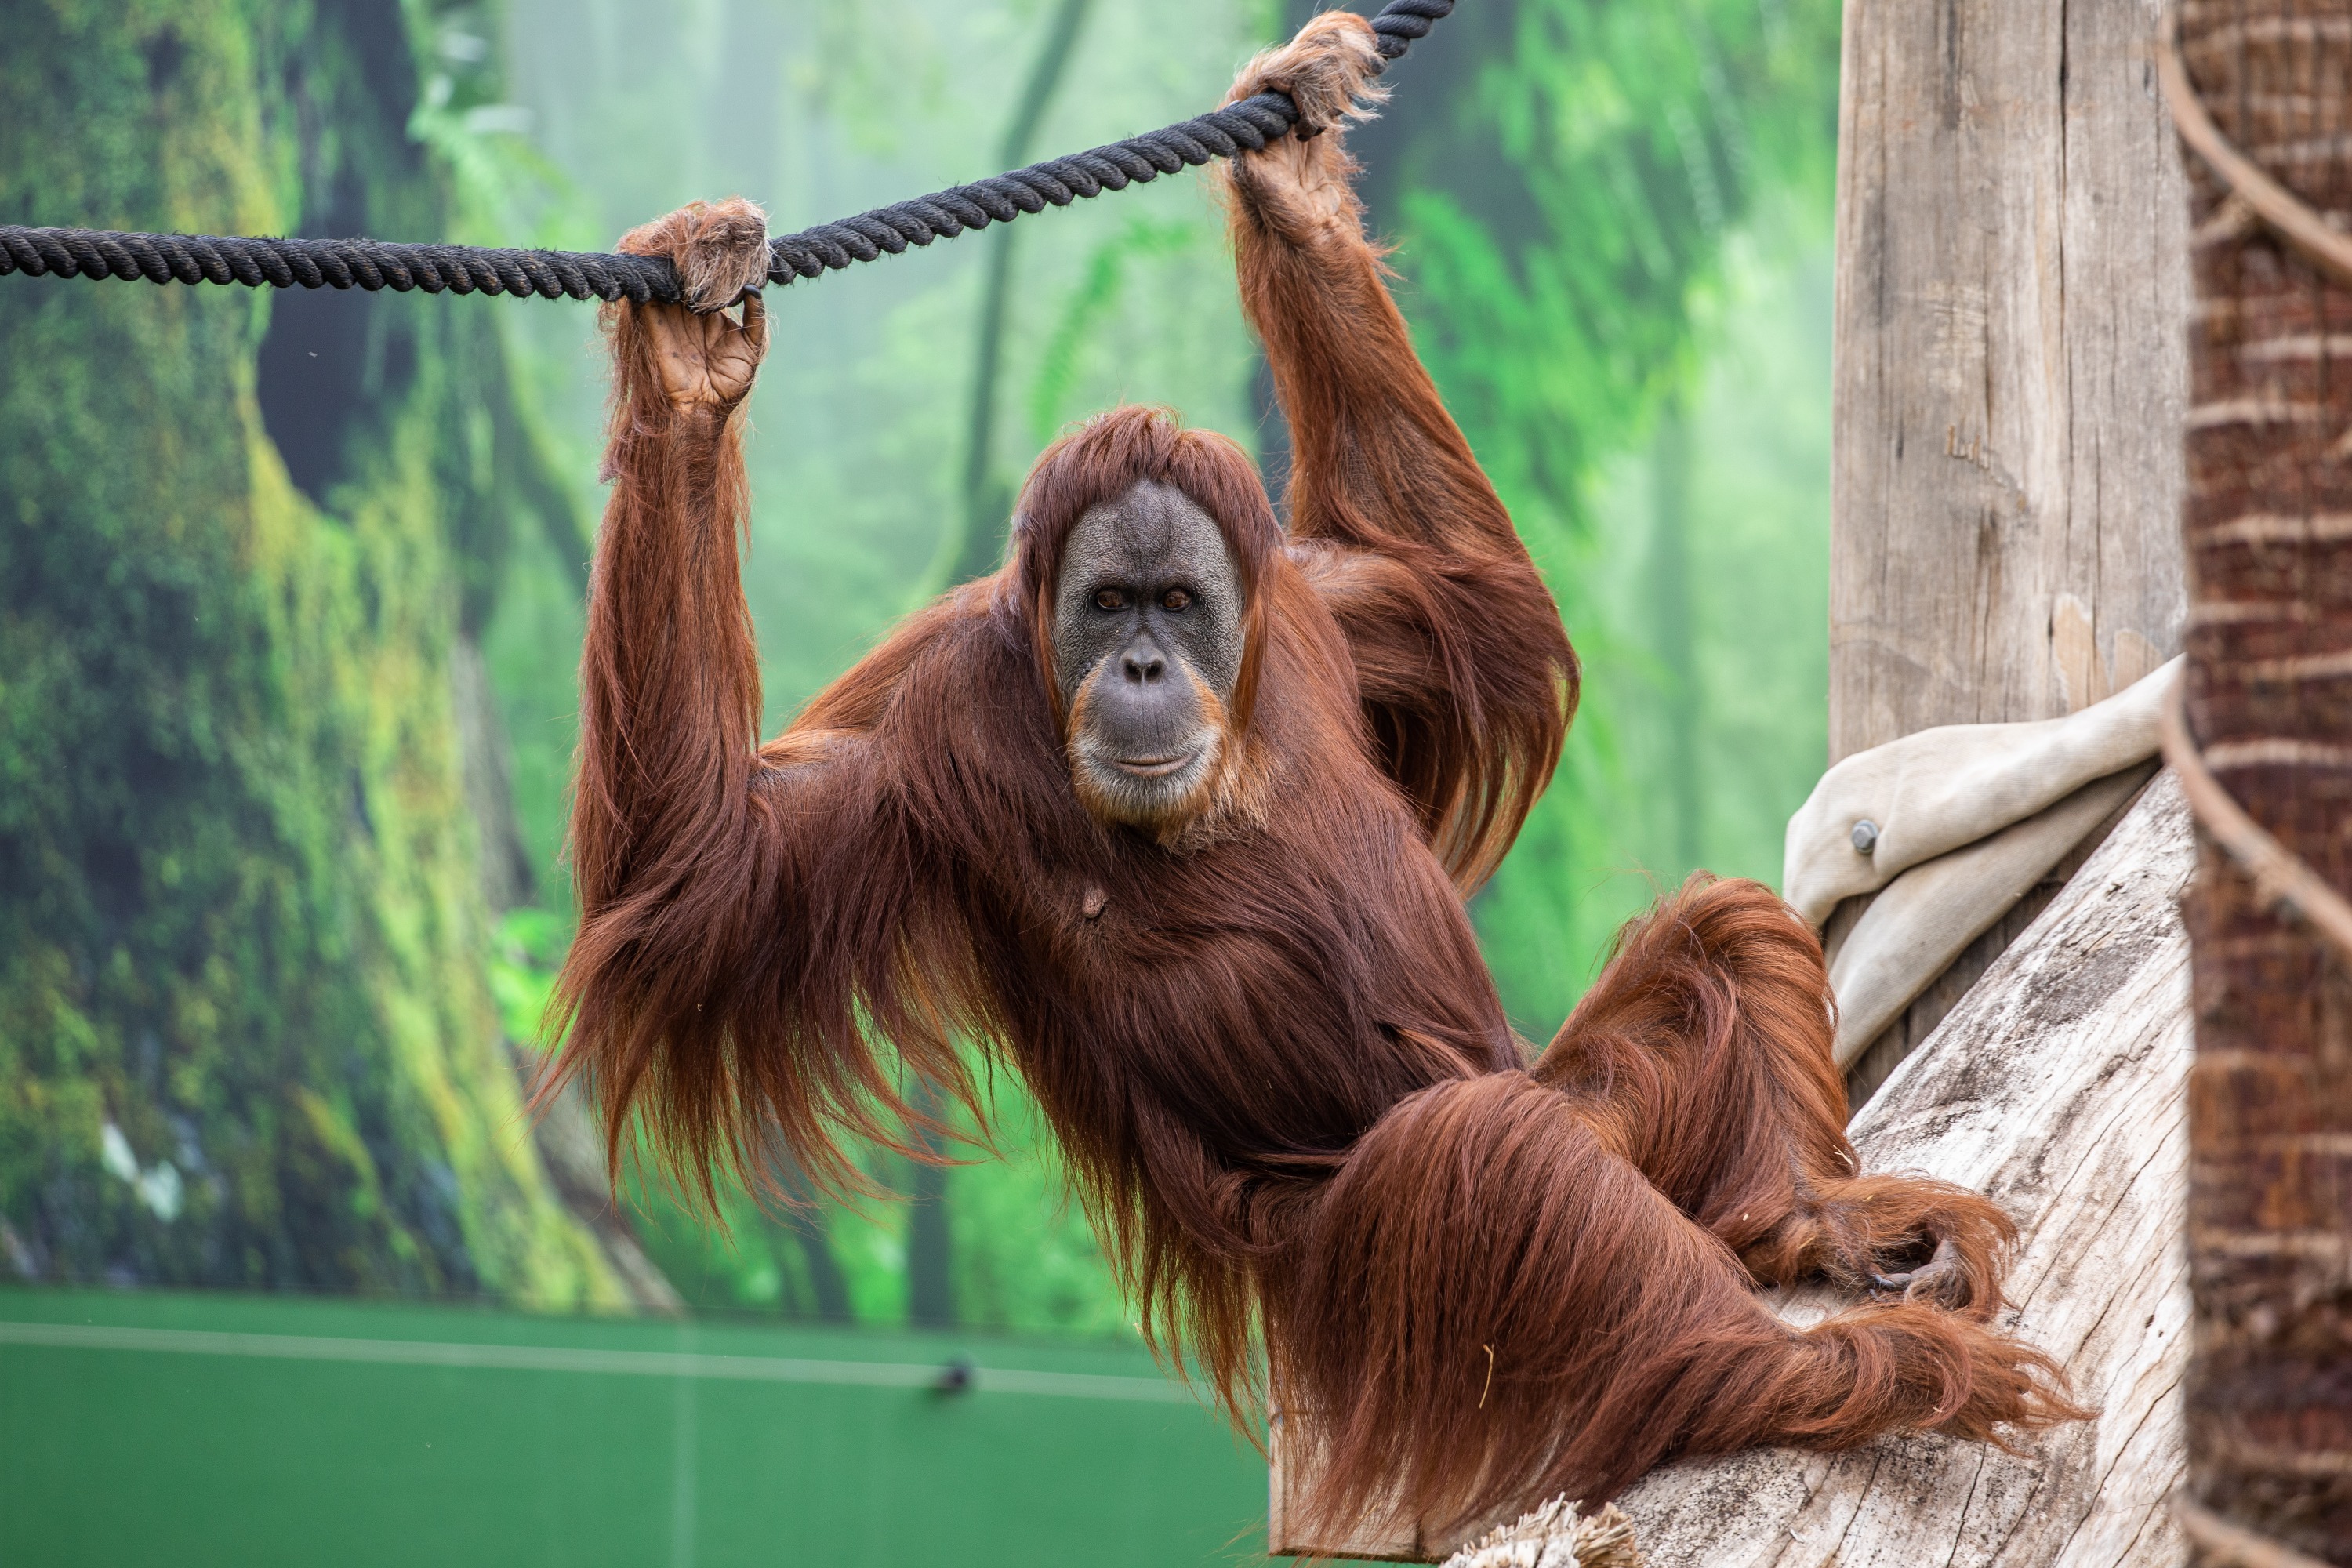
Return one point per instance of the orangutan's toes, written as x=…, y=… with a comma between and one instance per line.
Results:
x=1942, y=1280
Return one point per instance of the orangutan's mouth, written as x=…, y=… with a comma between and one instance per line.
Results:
x=1155, y=767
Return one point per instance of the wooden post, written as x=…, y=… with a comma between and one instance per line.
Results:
x=2008, y=381
x=2269, y=533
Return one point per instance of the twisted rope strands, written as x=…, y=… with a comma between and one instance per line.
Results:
x=332, y=264
x=372, y=265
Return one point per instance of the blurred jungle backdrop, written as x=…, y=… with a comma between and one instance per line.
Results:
x=291, y=586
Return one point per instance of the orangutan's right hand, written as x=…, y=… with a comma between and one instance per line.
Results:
x=706, y=359
x=1299, y=183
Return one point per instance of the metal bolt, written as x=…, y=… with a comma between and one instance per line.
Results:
x=1866, y=836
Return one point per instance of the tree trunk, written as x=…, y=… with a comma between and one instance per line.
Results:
x=246, y=1038
x=974, y=549
x=2010, y=371
x=1670, y=628
x=930, y=1240
x=2269, y=528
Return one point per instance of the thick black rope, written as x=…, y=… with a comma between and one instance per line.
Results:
x=580, y=274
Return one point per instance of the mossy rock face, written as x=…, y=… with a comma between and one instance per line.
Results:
x=245, y=1037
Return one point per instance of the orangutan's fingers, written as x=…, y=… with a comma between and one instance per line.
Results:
x=755, y=322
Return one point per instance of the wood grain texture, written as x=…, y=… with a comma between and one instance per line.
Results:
x=2010, y=364
x=2056, y=1085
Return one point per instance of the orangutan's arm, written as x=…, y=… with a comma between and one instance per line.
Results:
x=1466, y=673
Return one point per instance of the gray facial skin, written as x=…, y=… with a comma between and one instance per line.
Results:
x=1147, y=627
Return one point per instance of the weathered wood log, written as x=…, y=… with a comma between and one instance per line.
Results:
x=2057, y=1086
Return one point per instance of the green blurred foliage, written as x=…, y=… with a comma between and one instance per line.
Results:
x=1560, y=176
x=1023, y=1255
x=1688, y=753
x=1592, y=201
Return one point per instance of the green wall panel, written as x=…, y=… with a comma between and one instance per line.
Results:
x=153, y=1429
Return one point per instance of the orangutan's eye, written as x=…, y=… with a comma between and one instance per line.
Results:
x=1175, y=598
x=1110, y=599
